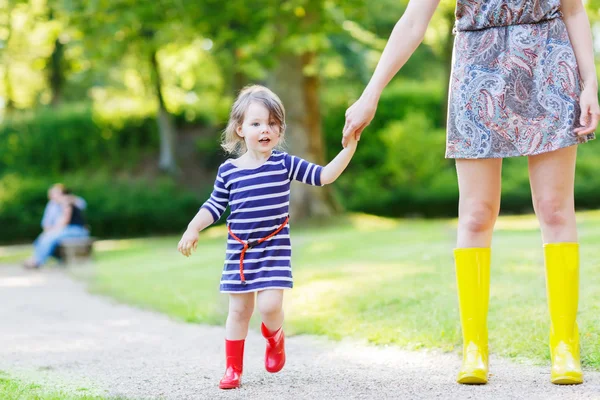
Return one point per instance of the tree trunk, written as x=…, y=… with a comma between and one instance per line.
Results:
x=300, y=95
x=57, y=77
x=166, y=126
x=238, y=79
x=9, y=105
x=56, y=74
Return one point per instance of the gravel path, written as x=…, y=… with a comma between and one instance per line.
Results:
x=55, y=333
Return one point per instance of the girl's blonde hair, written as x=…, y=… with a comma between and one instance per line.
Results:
x=230, y=140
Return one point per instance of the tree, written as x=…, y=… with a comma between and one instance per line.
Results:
x=119, y=27
x=280, y=43
x=7, y=24
x=56, y=65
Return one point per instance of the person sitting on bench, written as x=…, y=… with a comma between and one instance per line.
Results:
x=70, y=225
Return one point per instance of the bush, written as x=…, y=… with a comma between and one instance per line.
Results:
x=57, y=141
x=117, y=207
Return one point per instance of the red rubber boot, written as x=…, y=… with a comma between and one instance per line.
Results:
x=275, y=354
x=234, y=360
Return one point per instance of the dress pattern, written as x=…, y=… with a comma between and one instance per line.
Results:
x=259, y=201
x=515, y=84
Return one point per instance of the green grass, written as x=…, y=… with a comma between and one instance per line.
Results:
x=11, y=389
x=14, y=254
x=383, y=280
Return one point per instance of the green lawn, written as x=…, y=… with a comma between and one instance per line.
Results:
x=11, y=389
x=384, y=280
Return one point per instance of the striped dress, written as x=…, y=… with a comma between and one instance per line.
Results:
x=259, y=200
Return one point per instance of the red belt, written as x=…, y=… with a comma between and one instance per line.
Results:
x=253, y=243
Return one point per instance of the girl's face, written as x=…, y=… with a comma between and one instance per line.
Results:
x=259, y=130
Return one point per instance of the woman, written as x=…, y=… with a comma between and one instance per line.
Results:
x=523, y=84
x=70, y=225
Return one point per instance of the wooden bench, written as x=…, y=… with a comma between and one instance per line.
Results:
x=76, y=250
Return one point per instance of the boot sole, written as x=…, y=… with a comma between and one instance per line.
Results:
x=566, y=380
x=274, y=371
x=227, y=387
x=472, y=379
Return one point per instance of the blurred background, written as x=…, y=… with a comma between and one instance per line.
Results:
x=124, y=101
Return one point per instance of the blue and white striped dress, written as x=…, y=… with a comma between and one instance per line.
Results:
x=259, y=199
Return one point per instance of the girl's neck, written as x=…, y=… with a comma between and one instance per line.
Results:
x=253, y=159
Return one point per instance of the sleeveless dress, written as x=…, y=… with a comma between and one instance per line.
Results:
x=515, y=84
x=259, y=201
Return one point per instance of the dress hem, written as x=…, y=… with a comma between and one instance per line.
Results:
x=256, y=289
x=582, y=140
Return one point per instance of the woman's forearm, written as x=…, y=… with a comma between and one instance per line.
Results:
x=404, y=39
x=580, y=34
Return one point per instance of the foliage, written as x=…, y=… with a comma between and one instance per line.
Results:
x=51, y=142
x=116, y=207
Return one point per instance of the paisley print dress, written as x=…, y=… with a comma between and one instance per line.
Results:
x=515, y=84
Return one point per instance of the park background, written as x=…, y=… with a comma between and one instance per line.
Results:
x=124, y=102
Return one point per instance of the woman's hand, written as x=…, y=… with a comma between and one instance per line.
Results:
x=188, y=242
x=358, y=116
x=590, y=111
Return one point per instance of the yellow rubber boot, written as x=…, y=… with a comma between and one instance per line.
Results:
x=473, y=282
x=562, y=289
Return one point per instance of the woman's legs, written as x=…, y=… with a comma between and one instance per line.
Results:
x=46, y=243
x=479, y=204
x=44, y=246
x=270, y=306
x=479, y=183
x=552, y=177
x=241, y=306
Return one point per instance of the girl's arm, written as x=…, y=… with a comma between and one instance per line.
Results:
x=334, y=169
x=201, y=221
x=580, y=34
x=312, y=174
x=209, y=213
x=405, y=38
x=189, y=240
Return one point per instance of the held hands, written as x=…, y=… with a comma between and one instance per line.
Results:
x=590, y=111
x=351, y=143
x=358, y=116
x=188, y=242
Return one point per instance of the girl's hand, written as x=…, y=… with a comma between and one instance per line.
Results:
x=358, y=116
x=188, y=242
x=351, y=143
x=590, y=111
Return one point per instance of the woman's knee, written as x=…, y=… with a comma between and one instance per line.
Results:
x=553, y=211
x=479, y=217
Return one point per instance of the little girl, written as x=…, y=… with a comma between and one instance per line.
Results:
x=257, y=188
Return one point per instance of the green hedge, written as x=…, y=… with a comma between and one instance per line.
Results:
x=117, y=207
x=50, y=142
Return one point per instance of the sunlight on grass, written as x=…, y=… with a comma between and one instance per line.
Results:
x=393, y=285
x=517, y=223
x=370, y=223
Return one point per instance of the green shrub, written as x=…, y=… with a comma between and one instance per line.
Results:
x=56, y=141
x=116, y=207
